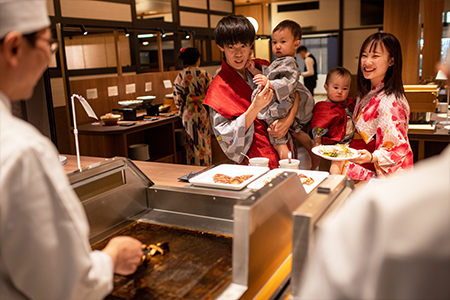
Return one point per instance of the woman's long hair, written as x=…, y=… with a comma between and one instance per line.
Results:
x=393, y=83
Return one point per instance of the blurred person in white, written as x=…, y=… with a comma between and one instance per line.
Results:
x=44, y=246
x=390, y=240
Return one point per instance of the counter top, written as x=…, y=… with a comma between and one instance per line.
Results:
x=159, y=173
x=99, y=128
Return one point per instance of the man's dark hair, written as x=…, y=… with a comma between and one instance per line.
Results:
x=339, y=71
x=393, y=83
x=234, y=29
x=301, y=48
x=189, y=56
x=293, y=26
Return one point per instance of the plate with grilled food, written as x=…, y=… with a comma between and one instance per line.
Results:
x=309, y=179
x=336, y=152
x=226, y=176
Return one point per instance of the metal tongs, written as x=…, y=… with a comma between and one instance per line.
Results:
x=152, y=250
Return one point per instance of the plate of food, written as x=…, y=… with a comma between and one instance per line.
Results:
x=309, y=179
x=130, y=102
x=226, y=176
x=336, y=152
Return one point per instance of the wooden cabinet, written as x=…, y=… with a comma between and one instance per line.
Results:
x=110, y=141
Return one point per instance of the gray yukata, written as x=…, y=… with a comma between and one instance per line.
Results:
x=283, y=73
x=234, y=140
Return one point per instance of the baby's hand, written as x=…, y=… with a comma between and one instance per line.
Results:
x=250, y=65
x=260, y=79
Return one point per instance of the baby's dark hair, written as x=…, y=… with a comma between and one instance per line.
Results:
x=293, y=26
x=189, y=56
x=234, y=29
x=339, y=71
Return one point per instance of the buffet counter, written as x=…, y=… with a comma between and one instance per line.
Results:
x=160, y=173
x=265, y=231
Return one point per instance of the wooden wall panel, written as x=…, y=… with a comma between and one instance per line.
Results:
x=214, y=19
x=193, y=19
x=432, y=35
x=324, y=18
x=255, y=11
x=401, y=18
x=50, y=8
x=221, y=5
x=96, y=51
x=97, y=10
x=105, y=104
x=201, y=4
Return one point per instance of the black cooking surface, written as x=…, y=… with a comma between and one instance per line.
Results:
x=197, y=265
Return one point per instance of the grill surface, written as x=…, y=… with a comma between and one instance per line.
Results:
x=197, y=266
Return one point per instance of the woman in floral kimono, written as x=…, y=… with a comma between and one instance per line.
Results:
x=381, y=114
x=190, y=88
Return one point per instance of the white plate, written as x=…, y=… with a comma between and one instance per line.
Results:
x=146, y=97
x=130, y=102
x=206, y=179
x=316, y=149
x=318, y=177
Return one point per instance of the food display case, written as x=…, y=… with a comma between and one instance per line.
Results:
x=222, y=243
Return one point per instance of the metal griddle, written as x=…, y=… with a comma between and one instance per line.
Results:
x=223, y=244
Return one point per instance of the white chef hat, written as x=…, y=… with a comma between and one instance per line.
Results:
x=24, y=16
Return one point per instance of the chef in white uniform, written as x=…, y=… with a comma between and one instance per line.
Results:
x=390, y=240
x=44, y=247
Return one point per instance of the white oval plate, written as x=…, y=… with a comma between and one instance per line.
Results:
x=316, y=151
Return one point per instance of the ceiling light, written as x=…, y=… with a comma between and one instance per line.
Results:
x=127, y=34
x=147, y=35
x=145, y=43
x=254, y=23
x=85, y=32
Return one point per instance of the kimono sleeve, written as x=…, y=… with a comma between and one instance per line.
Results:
x=231, y=135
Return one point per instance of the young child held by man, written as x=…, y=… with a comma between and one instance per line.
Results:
x=283, y=77
x=332, y=121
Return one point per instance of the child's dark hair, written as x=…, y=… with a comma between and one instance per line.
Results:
x=234, y=29
x=189, y=56
x=293, y=26
x=339, y=71
x=393, y=83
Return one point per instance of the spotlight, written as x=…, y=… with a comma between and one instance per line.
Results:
x=188, y=35
x=127, y=34
x=145, y=43
x=85, y=32
x=163, y=34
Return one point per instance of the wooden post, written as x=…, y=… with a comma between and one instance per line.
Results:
x=432, y=35
x=160, y=52
x=402, y=19
x=118, y=58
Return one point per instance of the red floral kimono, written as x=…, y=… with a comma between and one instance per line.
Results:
x=381, y=123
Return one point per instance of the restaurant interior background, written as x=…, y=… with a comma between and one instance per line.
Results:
x=107, y=43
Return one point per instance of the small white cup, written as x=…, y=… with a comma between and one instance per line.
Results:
x=442, y=107
x=284, y=164
x=258, y=162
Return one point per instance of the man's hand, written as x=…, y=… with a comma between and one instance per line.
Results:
x=126, y=254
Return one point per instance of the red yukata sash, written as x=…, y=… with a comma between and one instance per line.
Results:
x=229, y=95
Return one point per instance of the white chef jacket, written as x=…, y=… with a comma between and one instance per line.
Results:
x=44, y=247
x=389, y=241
